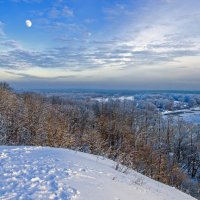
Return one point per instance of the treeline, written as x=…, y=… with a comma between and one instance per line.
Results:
x=170, y=101
x=163, y=149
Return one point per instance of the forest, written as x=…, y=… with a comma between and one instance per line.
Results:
x=135, y=137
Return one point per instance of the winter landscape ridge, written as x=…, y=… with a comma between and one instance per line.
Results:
x=50, y=173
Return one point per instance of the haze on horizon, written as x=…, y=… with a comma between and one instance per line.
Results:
x=124, y=44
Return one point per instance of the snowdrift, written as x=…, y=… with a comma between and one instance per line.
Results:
x=50, y=173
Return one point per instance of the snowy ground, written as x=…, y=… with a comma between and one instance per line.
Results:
x=50, y=173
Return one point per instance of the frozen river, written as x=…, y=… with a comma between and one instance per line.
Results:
x=190, y=115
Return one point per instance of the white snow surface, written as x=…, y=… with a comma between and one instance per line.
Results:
x=52, y=173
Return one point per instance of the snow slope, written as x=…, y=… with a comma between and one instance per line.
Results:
x=50, y=173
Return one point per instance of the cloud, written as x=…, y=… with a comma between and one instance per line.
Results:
x=9, y=44
x=57, y=12
x=81, y=56
x=30, y=77
x=155, y=38
x=117, y=10
x=57, y=19
x=66, y=11
x=1, y=29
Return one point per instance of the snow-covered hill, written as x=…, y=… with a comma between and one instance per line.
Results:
x=50, y=173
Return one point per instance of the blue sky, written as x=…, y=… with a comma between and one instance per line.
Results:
x=125, y=44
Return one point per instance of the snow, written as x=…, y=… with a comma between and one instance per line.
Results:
x=191, y=115
x=121, y=98
x=51, y=173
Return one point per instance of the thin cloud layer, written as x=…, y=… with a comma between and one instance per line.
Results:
x=1, y=29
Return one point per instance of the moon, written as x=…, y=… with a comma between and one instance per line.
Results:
x=28, y=23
